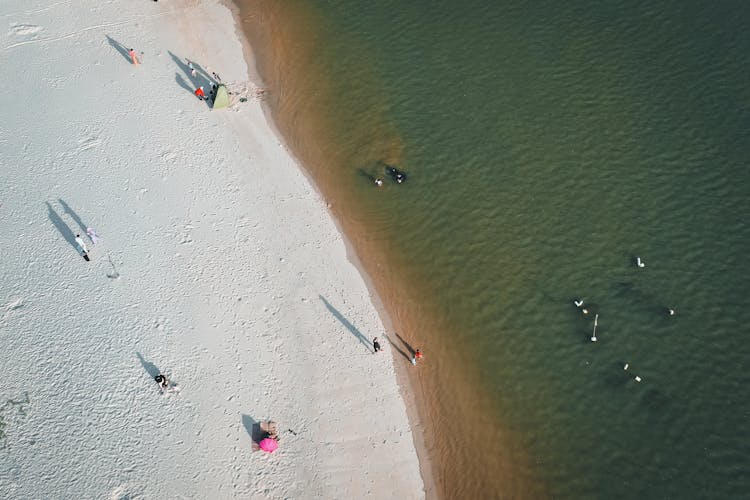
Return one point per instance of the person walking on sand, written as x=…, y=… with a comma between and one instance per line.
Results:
x=376, y=344
x=133, y=56
x=92, y=234
x=192, y=69
x=199, y=92
x=82, y=247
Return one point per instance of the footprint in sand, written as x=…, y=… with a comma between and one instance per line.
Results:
x=124, y=492
x=86, y=143
x=10, y=307
x=16, y=304
x=25, y=30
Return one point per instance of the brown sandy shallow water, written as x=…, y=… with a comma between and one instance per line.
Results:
x=463, y=454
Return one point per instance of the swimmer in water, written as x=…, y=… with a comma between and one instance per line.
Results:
x=579, y=305
x=395, y=174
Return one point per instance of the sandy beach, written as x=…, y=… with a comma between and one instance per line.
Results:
x=218, y=264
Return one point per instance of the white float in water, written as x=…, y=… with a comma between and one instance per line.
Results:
x=596, y=322
x=627, y=365
x=639, y=262
x=637, y=378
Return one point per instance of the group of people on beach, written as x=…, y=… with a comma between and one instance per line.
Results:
x=200, y=92
x=164, y=383
x=416, y=355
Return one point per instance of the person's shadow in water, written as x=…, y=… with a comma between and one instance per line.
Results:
x=61, y=226
x=352, y=329
x=393, y=344
x=366, y=175
x=124, y=51
x=412, y=351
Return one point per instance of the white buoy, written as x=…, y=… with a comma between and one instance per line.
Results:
x=578, y=302
x=671, y=312
x=593, y=335
x=626, y=366
x=637, y=378
x=639, y=262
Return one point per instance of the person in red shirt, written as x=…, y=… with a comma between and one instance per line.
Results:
x=133, y=56
x=417, y=355
x=199, y=92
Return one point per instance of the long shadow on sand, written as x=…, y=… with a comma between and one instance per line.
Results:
x=201, y=78
x=74, y=215
x=253, y=428
x=353, y=329
x=150, y=368
x=182, y=83
x=119, y=48
x=63, y=228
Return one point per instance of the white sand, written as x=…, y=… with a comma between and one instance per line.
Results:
x=223, y=251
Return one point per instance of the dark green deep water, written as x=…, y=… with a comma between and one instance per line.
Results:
x=548, y=143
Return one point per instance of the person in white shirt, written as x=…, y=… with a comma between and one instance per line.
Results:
x=82, y=245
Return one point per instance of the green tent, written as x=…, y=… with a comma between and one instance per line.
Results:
x=222, y=97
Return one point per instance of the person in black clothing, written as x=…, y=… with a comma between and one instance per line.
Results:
x=376, y=344
x=162, y=380
x=395, y=174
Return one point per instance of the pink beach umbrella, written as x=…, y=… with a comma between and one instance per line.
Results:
x=268, y=445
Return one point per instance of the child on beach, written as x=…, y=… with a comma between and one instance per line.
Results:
x=417, y=356
x=92, y=234
x=200, y=94
x=192, y=69
x=376, y=344
x=133, y=56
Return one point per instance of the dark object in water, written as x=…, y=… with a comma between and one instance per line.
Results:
x=395, y=174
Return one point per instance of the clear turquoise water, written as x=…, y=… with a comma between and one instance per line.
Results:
x=548, y=144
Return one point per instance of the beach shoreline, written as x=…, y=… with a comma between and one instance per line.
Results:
x=219, y=265
x=342, y=152
x=414, y=406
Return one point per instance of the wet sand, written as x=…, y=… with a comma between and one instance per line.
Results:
x=299, y=94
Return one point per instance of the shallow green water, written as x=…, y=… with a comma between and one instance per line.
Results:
x=548, y=144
